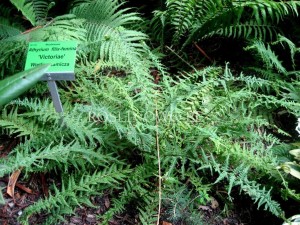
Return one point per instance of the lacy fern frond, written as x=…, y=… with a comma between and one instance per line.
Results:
x=268, y=56
x=74, y=193
x=148, y=210
x=246, y=30
x=135, y=188
x=291, y=45
x=16, y=125
x=239, y=177
x=53, y=157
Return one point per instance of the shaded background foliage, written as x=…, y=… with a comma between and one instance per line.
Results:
x=191, y=99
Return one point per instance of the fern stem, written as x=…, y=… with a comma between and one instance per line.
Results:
x=203, y=52
x=159, y=166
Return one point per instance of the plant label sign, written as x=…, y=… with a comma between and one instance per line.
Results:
x=60, y=54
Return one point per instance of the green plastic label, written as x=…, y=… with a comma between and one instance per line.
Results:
x=60, y=54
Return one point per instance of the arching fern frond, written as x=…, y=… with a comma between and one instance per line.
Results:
x=34, y=10
x=246, y=30
x=75, y=191
x=194, y=20
x=291, y=45
x=7, y=29
x=235, y=21
x=108, y=39
x=7, y=26
x=268, y=56
x=26, y=10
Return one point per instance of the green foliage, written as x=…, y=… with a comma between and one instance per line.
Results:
x=182, y=207
x=191, y=20
x=7, y=29
x=14, y=49
x=98, y=26
x=107, y=36
x=119, y=121
x=267, y=56
x=34, y=10
x=17, y=84
x=213, y=127
x=292, y=168
x=76, y=192
x=26, y=9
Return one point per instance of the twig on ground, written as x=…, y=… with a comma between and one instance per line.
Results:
x=203, y=52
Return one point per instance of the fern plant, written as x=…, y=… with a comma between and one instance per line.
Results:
x=35, y=10
x=107, y=36
x=199, y=126
x=115, y=125
x=189, y=20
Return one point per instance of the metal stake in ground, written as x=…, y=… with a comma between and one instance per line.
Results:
x=55, y=96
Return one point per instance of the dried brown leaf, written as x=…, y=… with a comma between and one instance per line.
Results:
x=166, y=223
x=214, y=203
x=12, y=183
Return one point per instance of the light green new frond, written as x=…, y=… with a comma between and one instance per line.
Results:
x=54, y=158
x=42, y=110
x=135, y=187
x=84, y=129
x=240, y=177
x=293, y=49
x=13, y=124
x=267, y=56
x=262, y=197
x=75, y=123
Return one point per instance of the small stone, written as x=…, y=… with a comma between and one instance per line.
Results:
x=11, y=204
x=20, y=213
x=75, y=220
x=91, y=218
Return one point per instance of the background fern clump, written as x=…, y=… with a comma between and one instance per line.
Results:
x=163, y=142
